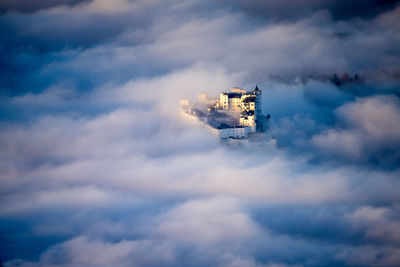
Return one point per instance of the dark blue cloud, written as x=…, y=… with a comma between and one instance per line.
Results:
x=33, y=6
x=289, y=10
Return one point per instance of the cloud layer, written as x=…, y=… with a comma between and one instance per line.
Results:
x=98, y=166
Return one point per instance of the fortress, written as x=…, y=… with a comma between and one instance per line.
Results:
x=235, y=114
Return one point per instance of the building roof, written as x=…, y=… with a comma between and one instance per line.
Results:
x=217, y=125
x=234, y=95
x=249, y=99
x=247, y=113
x=220, y=126
x=198, y=113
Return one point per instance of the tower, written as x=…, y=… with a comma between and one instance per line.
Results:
x=258, y=115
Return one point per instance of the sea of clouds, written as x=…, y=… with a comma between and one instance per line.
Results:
x=99, y=168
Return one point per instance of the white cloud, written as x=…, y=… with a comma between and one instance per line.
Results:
x=371, y=126
x=100, y=169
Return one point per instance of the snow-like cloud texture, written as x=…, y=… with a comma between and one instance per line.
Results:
x=99, y=168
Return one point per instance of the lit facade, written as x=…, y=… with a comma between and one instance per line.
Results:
x=236, y=114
